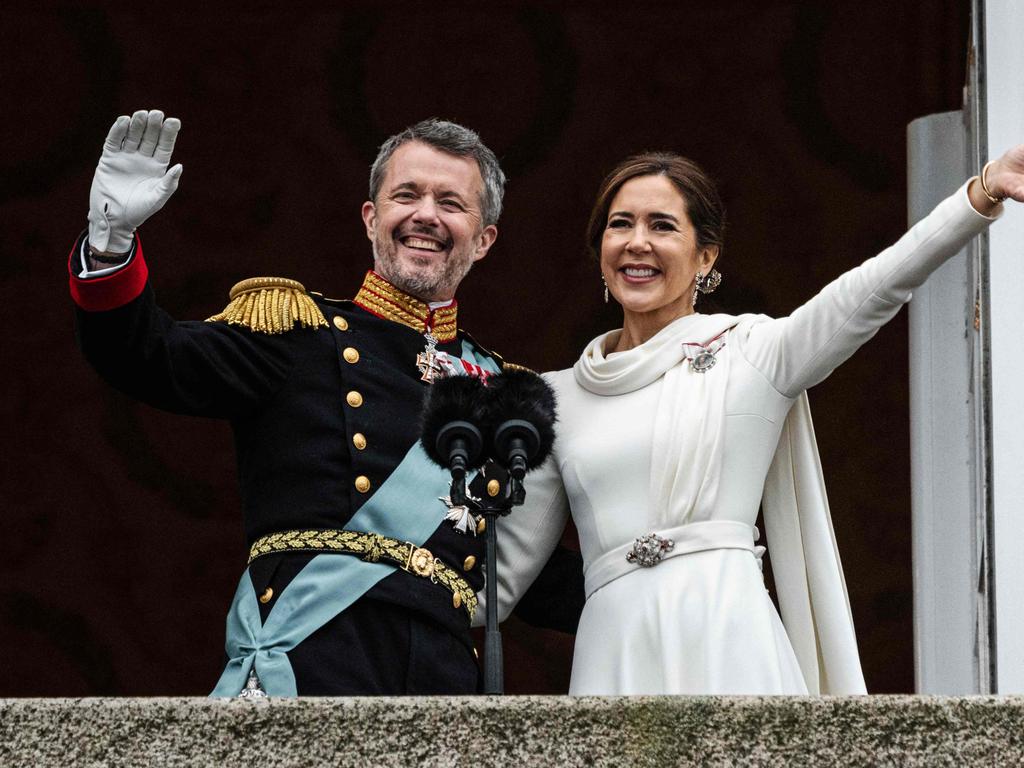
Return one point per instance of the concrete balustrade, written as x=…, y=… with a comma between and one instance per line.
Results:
x=484, y=731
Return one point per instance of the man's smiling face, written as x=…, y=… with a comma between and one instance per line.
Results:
x=426, y=224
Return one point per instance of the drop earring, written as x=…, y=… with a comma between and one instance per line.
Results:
x=605, y=283
x=711, y=282
x=707, y=284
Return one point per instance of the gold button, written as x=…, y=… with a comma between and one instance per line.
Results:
x=362, y=483
x=457, y=599
x=354, y=399
x=468, y=563
x=493, y=487
x=267, y=595
x=359, y=440
x=481, y=525
x=351, y=355
x=340, y=323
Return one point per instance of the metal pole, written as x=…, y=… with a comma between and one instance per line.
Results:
x=494, y=677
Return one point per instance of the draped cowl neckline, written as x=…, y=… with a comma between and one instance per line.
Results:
x=686, y=438
x=621, y=372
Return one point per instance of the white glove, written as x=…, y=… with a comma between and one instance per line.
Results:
x=132, y=181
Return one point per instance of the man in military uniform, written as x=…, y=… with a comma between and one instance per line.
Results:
x=361, y=579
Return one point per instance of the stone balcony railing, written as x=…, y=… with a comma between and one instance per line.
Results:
x=484, y=731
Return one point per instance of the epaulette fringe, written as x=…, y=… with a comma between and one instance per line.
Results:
x=270, y=305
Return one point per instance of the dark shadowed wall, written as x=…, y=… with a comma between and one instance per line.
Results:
x=121, y=537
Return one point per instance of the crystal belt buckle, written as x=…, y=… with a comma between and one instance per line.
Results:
x=649, y=550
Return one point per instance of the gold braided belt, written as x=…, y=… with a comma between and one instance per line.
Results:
x=372, y=547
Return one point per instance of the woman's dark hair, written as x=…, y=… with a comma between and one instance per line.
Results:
x=703, y=203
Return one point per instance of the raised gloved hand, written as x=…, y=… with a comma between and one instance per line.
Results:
x=132, y=181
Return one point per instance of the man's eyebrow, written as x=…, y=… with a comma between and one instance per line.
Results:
x=414, y=187
x=405, y=185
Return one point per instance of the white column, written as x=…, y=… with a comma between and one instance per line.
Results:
x=943, y=450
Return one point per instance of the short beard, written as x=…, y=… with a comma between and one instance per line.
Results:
x=427, y=284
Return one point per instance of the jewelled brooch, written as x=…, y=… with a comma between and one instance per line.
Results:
x=649, y=550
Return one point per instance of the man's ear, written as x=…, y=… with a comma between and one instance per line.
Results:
x=487, y=237
x=369, y=213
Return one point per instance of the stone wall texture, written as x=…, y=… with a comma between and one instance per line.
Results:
x=527, y=730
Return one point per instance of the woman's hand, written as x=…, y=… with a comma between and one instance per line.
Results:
x=1005, y=177
x=1005, y=180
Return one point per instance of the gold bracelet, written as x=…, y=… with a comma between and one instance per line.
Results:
x=984, y=187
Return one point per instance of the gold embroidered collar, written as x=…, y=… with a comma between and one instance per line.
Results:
x=381, y=298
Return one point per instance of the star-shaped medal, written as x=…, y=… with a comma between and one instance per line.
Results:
x=459, y=515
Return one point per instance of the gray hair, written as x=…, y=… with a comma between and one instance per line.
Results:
x=455, y=140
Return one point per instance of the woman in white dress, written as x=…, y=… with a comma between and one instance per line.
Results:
x=676, y=428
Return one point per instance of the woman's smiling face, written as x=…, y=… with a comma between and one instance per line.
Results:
x=649, y=250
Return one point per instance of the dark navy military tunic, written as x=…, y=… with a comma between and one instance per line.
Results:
x=321, y=418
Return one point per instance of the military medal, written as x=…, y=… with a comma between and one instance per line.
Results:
x=253, y=687
x=462, y=520
x=702, y=356
x=703, y=361
x=435, y=364
x=427, y=360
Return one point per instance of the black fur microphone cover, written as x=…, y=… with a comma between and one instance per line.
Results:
x=523, y=395
x=453, y=398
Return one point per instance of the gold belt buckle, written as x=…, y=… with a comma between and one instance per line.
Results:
x=420, y=562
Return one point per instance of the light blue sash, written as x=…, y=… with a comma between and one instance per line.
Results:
x=405, y=507
x=470, y=356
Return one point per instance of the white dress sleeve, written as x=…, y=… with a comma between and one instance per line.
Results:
x=798, y=351
x=527, y=537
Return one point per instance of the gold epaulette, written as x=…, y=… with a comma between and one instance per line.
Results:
x=271, y=305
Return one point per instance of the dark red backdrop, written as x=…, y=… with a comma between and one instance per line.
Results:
x=121, y=536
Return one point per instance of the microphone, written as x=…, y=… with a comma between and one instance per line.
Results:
x=521, y=409
x=450, y=425
x=515, y=411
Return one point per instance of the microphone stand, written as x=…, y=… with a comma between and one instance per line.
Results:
x=511, y=495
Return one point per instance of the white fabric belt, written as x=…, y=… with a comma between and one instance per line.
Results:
x=687, y=539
